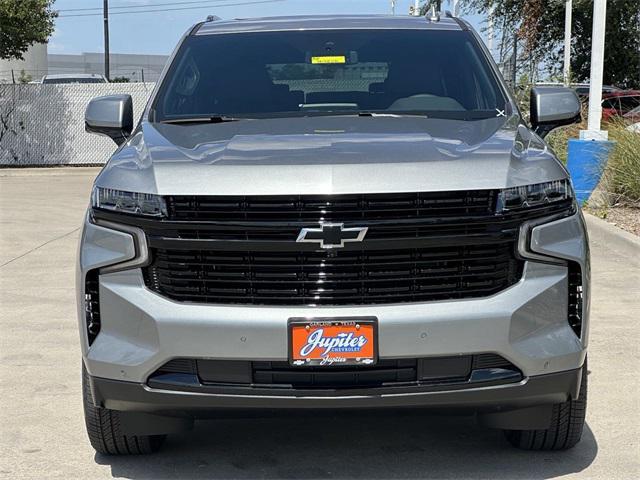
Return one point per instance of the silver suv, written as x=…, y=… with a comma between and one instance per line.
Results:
x=332, y=213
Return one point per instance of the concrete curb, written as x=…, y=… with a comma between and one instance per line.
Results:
x=613, y=237
x=48, y=171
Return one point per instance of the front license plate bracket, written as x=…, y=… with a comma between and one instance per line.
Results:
x=333, y=341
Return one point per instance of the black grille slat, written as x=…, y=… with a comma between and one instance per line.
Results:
x=491, y=360
x=386, y=372
x=92, y=305
x=294, y=298
x=334, y=207
x=575, y=298
x=207, y=278
x=178, y=365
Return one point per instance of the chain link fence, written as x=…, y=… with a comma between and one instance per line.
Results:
x=117, y=74
x=43, y=125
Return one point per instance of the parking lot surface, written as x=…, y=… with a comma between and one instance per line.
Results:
x=41, y=424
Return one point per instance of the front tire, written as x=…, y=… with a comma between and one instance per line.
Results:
x=565, y=430
x=104, y=427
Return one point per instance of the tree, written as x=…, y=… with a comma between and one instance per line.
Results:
x=622, y=43
x=540, y=27
x=23, y=23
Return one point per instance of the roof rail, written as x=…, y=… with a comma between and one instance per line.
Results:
x=213, y=18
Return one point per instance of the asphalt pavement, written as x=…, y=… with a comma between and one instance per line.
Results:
x=42, y=431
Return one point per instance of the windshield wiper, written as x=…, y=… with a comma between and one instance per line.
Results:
x=207, y=119
x=368, y=113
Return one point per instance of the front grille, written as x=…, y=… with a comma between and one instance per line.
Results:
x=343, y=277
x=490, y=360
x=386, y=372
x=462, y=369
x=418, y=247
x=178, y=365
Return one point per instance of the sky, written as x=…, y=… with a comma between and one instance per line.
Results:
x=158, y=33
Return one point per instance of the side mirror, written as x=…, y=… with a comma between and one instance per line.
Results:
x=111, y=116
x=552, y=107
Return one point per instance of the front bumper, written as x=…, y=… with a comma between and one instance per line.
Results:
x=526, y=324
x=530, y=392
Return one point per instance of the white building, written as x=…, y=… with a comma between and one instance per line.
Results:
x=131, y=66
x=34, y=65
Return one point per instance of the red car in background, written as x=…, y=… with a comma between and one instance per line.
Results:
x=618, y=104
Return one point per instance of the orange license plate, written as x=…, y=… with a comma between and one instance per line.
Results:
x=332, y=341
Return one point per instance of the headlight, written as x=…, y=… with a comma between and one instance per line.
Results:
x=536, y=195
x=129, y=202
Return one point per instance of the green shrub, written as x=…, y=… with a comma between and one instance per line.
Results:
x=621, y=178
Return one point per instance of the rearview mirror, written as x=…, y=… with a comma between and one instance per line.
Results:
x=111, y=116
x=552, y=107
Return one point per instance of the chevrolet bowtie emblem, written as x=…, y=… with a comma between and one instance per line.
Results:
x=332, y=235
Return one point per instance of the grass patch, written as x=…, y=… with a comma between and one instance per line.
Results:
x=621, y=179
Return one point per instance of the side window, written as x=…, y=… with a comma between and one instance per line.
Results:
x=611, y=103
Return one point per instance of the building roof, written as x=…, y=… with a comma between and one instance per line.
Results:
x=73, y=75
x=327, y=22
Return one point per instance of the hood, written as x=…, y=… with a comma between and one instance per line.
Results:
x=330, y=155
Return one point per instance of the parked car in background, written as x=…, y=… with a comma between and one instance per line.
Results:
x=633, y=115
x=582, y=89
x=74, y=78
x=619, y=104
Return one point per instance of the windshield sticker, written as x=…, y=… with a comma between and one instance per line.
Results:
x=329, y=59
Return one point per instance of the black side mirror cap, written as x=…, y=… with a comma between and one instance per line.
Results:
x=111, y=116
x=553, y=107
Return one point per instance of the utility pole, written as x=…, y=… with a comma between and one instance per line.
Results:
x=514, y=60
x=393, y=7
x=567, y=42
x=106, y=38
x=593, y=131
x=416, y=8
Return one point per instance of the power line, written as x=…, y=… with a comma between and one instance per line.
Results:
x=170, y=9
x=120, y=7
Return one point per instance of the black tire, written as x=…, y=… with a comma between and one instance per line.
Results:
x=104, y=429
x=567, y=422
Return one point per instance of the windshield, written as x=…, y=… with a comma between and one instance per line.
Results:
x=303, y=73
